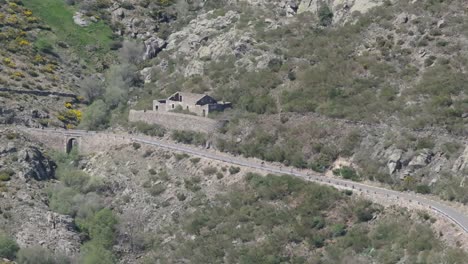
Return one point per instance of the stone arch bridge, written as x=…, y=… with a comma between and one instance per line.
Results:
x=85, y=142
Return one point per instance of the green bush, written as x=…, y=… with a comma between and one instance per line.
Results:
x=189, y=137
x=149, y=129
x=210, y=170
x=424, y=189
x=136, y=145
x=325, y=15
x=157, y=189
x=180, y=157
x=364, y=210
x=8, y=247
x=94, y=253
x=96, y=116
x=195, y=160
x=79, y=180
x=5, y=175
x=40, y=255
x=234, y=170
x=101, y=228
x=347, y=173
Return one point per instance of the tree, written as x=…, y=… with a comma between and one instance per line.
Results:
x=131, y=52
x=96, y=116
x=325, y=15
x=91, y=88
x=119, y=80
x=96, y=254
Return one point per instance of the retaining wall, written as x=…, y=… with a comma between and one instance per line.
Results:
x=176, y=121
x=38, y=93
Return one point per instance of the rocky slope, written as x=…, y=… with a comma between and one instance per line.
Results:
x=26, y=170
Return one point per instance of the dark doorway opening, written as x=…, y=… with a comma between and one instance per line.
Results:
x=71, y=144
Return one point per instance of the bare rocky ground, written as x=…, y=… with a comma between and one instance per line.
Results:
x=154, y=187
x=24, y=211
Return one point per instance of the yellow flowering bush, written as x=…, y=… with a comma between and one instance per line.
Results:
x=13, y=5
x=38, y=59
x=12, y=20
x=27, y=13
x=68, y=105
x=50, y=68
x=17, y=74
x=23, y=42
x=70, y=117
x=32, y=19
x=8, y=62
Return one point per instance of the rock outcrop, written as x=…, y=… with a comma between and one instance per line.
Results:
x=36, y=165
x=153, y=46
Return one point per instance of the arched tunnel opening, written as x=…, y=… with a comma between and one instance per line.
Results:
x=71, y=144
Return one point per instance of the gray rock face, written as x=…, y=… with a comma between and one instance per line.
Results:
x=146, y=74
x=36, y=165
x=394, y=161
x=153, y=46
x=9, y=148
x=421, y=160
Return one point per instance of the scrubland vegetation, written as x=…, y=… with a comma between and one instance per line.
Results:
x=276, y=219
x=81, y=196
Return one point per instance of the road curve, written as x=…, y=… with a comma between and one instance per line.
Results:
x=449, y=212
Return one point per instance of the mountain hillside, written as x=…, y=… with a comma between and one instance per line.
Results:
x=369, y=91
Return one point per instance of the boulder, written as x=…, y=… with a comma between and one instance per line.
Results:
x=153, y=46
x=402, y=18
x=146, y=74
x=118, y=14
x=80, y=19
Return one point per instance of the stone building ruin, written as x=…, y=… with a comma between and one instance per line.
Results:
x=198, y=104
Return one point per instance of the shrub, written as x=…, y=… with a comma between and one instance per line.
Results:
x=136, y=145
x=189, y=137
x=234, y=170
x=149, y=129
x=93, y=253
x=8, y=247
x=181, y=197
x=180, y=157
x=195, y=160
x=5, y=175
x=347, y=173
x=364, y=210
x=157, y=189
x=210, y=170
x=39, y=255
x=96, y=116
x=219, y=175
x=424, y=189
x=100, y=227
x=338, y=230
x=325, y=15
